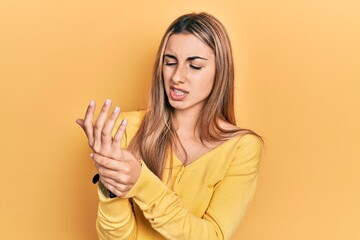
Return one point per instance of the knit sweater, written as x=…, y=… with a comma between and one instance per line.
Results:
x=203, y=200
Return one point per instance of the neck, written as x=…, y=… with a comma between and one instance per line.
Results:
x=185, y=122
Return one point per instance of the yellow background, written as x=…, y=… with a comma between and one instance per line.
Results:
x=297, y=84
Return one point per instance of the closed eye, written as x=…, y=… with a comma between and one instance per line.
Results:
x=170, y=60
x=195, y=67
x=170, y=63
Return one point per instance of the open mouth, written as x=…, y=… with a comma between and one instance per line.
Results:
x=177, y=94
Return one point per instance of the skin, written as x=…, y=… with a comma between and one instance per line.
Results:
x=118, y=169
x=189, y=66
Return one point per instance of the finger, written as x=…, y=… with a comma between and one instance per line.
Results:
x=87, y=123
x=95, y=163
x=107, y=181
x=100, y=124
x=80, y=122
x=119, y=173
x=106, y=137
x=107, y=164
x=118, y=186
x=107, y=186
x=109, y=173
x=113, y=191
x=119, y=134
x=118, y=189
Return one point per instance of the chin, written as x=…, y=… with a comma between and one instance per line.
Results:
x=177, y=105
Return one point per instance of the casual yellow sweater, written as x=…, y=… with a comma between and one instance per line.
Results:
x=203, y=200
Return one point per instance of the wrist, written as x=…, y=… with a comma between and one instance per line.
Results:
x=105, y=192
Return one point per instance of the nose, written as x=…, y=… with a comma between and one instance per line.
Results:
x=178, y=74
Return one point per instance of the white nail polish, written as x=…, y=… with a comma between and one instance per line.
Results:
x=108, y=101
x=116, y=110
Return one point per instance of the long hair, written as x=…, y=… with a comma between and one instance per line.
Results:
x=156, y=137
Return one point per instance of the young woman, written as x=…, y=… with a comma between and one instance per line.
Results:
x=181, y=169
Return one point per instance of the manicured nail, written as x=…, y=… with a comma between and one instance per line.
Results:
x=116, y=110
x=91, y=155
x=108, y=101
x=124, y=121
x=91, y=103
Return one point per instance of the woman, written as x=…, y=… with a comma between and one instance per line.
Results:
x=182, y=169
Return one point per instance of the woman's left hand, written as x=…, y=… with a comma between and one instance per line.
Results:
x=99, y=134
x=118, y=176
x=118, y=168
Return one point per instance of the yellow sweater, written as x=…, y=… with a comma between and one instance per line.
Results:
x=203, y=200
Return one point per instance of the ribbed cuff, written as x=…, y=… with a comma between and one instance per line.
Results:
x=147, y=189
x=113, y=207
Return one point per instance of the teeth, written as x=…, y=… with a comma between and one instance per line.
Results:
x=178, y=92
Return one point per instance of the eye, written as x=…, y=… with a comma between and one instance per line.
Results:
x=195, y=67
x=170, y=63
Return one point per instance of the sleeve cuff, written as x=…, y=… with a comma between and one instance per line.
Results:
x=113, y=207
x=148, y=188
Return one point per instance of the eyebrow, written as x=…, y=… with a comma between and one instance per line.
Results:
x=188, y=59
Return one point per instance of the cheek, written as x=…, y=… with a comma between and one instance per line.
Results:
x=209, y=82
x=166, y=75
x=203, y=87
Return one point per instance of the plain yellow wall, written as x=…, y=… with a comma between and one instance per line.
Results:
x=297, y=84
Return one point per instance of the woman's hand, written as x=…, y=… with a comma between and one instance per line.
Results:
x=118, y=176
x=118, y=168
x=99, y=134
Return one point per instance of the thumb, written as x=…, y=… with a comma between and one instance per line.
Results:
x=80, y=122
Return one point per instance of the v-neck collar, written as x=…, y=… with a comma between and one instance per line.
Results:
x=214, y=149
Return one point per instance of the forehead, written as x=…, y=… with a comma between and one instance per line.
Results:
x=186, y=44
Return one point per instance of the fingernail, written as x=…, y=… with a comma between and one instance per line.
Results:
x=108, y=101
x=91, y=155
x=91, y=103
x=116, y=110
x=124, y=121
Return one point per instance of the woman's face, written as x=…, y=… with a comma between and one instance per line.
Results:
x=188, y=71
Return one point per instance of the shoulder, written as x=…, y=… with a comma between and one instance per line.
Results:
x=249, y=143
x=245, y=138
x=227, y=126
x=242, y=154
x=248, y=149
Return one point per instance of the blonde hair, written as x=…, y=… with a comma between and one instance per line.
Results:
x=156, y=137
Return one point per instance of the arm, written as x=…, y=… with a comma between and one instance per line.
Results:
x=115, y=219
x=231, y=198
x=163, y=208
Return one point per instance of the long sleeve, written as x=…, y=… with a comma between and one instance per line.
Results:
x=232, y=194
x=115, y=219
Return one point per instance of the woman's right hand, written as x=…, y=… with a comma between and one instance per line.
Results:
x=118, y=168
x=99, y=134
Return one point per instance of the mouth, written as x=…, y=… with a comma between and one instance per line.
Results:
x=177, y=94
